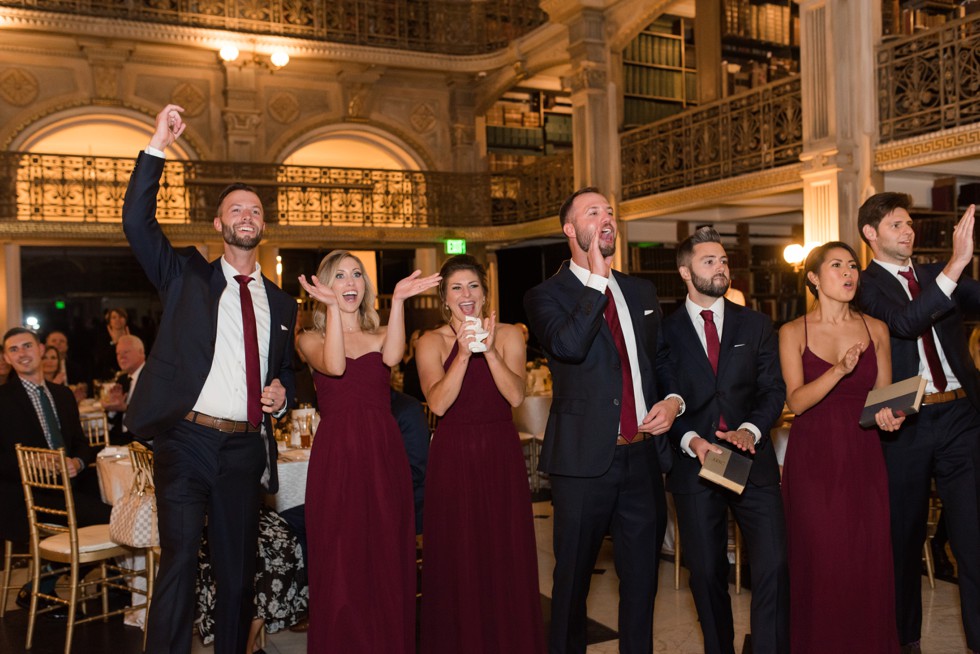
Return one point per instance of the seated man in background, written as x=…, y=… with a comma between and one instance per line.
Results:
x=131, y=357
x=38, y=414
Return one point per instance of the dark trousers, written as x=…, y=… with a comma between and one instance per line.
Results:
x=703, y=522
x=942, y=441
x=628, y=502
x=416, y=436
x=200, y=471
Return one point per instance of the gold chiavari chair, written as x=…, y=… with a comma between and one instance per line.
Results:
x=9, y=557
x=48, y=494
x=96, y=428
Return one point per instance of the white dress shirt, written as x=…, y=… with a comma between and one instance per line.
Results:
x=947, y=286
x=225, y=393
x=694, y=311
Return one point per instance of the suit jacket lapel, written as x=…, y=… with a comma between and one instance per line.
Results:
x=216, y=286
x=889, y=283
x=689, y=339
x=275, y=327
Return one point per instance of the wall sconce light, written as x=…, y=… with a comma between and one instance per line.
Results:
x=278, y=59
x=796, y=254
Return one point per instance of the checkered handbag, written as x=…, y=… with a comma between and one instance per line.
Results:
x=133, y=521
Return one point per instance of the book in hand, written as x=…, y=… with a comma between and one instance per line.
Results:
x=903, y=398
x=728, y=469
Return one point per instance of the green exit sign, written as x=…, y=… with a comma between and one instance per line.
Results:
x=59, y=304
x=455, y=246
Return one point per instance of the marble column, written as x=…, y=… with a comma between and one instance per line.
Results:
x=12, y=302
x=837, y=61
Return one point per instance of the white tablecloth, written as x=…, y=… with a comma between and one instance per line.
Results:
x=293, y=465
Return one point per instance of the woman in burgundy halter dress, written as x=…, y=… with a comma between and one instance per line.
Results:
x=360, y=521
x=835, y=489
x=479, y=571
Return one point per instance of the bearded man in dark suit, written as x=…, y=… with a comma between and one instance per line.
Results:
x=220, y=367
x=603, y=447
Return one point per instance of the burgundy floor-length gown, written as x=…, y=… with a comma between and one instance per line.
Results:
x=479, y=562
x=360, y=522
x=835, y=494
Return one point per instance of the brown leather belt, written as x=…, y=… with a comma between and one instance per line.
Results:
x=227, y=426
x=939, y=398
x=639, y=438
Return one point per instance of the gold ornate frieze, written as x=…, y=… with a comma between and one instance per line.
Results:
x=945, y=145
x=776, y=180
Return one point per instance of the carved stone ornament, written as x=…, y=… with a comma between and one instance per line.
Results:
x=191, y=98
x=283, y=107
x=18, y=87
x=587, y=78
x=423, y=118
x=106, y=81
x=241, y=121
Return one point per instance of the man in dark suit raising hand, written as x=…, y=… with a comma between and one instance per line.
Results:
x=602, y=446
x=220, y=367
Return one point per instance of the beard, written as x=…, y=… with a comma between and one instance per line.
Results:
x=710, y=286
x=585, y=240
x=244, y=242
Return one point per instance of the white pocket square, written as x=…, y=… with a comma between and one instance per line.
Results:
x=284, y=328
x=739, y=345
x=647, y=312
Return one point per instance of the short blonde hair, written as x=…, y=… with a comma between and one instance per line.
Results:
x=367, y=315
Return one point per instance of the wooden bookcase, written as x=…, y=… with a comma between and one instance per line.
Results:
x=527, y=123
x=659, y=78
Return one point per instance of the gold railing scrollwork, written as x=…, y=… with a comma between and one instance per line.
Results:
x=930, y=81
x=83, y=189
x=753, y=131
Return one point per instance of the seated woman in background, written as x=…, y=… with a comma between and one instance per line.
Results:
x=51, y=366
x=281, y=592
x=835, y=488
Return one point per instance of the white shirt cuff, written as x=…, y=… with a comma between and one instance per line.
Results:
x=686, y=443
x=945, y=284
x=153, y=152
x=281, y=412
x=597, y=282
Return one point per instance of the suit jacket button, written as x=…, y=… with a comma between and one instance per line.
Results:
x=616, y=402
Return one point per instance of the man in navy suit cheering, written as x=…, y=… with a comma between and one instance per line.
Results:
x=220, y=367
x=603, y=445
x=923, y=307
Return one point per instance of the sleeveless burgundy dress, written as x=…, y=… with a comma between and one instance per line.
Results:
x=479, y=562
x=360, y=522
x=835, y=494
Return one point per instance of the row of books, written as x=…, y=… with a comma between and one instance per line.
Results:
x=637, y=111
x=659, y=83
x=738, y=77
x=514, y=137
x=917, y=20
x=655, y=49
x=767, y=22
x=512, y=117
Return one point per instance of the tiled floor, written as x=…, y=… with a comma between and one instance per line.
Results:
x=676, y=628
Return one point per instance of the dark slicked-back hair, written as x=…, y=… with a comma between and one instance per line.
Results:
x=685, y=250
x=877, y=207
x=566, y=206
x=17, y=331
x=816, y=259
x=231, y=188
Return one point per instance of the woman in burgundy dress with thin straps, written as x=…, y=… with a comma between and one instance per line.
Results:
x=360, y=524
x=479, y=571
x=835, y=489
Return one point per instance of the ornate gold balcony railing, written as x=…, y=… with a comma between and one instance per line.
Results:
x=749, y=132
x=439, y=26
x=930, y=81
x=81, y=189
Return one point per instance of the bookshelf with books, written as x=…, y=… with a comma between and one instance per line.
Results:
x=527, y=123
x=760, y=43
x=775, y=289
x=659, y=77
x=658, y=263
x=907, y=17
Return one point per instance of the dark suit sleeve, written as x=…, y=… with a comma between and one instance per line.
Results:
x=771, y=389
x=287, y=376
x=905, y=319
x=565, y=335
x=76, y=442
x=149, y=244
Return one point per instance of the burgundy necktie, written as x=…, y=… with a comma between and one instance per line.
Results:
x=928, y=342
x=713, y=343
x=627, y=408
x=251, y=352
